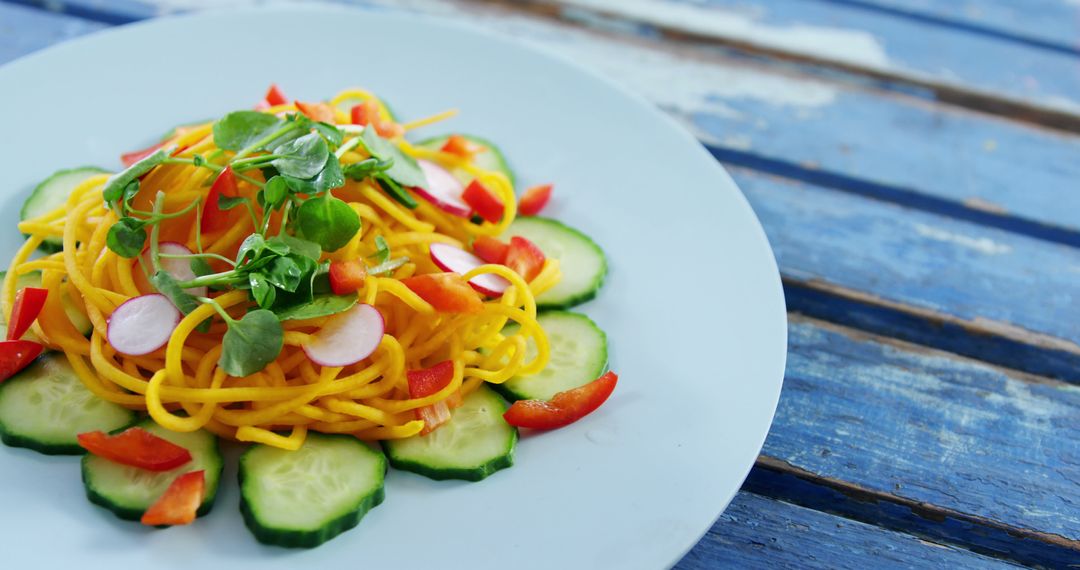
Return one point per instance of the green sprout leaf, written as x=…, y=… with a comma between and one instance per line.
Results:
x=251, y=343
x=240, y=129
x=382, y=250
x=328, y=221
x=304, y=157
x=320, y=306
x=127, y=237
x=117, y=185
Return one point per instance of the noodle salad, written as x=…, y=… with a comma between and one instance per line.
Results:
x=305, y=280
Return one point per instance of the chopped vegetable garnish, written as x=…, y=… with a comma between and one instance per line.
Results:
x=274, y=96
x=534, y=199
x=316, y=111
x=224, y=186
x=16, y=355
x=483, y=201
x=490, y=249
x=28, y=304
x=136, y=447
x=129, y=158
x=563, y=409
x=524, y=258
x=447, y=292
x=460, y=146
x=180, y=503
x=347, y=276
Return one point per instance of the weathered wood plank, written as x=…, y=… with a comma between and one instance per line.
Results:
x=1052, y=24
x=828, y=132
x=936, y=270
x=927, y=442
x=759, y=532
x=24, y=30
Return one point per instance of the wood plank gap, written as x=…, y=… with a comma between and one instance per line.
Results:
x=896, y=194
x=104, y=14
x=948, y=93
x=775, y=478
x=982, y=339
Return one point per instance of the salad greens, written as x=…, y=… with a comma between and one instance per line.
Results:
x=297, y=164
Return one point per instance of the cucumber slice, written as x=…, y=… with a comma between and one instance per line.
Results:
x=490, y=159
x=306, y=497
x=578, y=356
x=51, y=194
x=475, y=443
x=46, y=406
x=129, y=491
x=74, y=313
x=583, y=263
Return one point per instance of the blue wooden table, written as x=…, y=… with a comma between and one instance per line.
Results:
x=916, y=165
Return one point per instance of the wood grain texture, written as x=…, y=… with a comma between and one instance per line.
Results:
x=759, y=532
x=1050, y=23
x=25, y=30
x=868, y=39
x=927, y=442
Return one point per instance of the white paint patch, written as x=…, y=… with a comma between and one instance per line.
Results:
x=981, y=245
x=839, y=44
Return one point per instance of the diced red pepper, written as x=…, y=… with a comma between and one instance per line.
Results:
x=460, y=146
x=347, y=276
x=534, y=199
x=16, y=355
x=364, y=113
x=317, y=111
x=563, y=409
x=524, y=258
x=28, y=304
x=427, y=381
x=179, y=504
x=274, y=96
x=135, y=447
x=129, y=158
x=447, y=292
x=483, y=201
x=213, y=217
x=490, y=249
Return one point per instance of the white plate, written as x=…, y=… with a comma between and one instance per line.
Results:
x=693, y=308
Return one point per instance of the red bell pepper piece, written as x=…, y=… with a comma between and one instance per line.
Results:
x=524, y=258
x=364, y=113
x=534, y=199
x=213, y=217
x=135, y=447
x=563, y=409
x=16, y=355
x=490, y=249
x=426, y=382
x=483, y=201
x=317, y=111
x=179, y=504
x=129, y=158
x=447, y=292
x=460, y=146
x=274, y=96
x=347, y=276
x=28, y=304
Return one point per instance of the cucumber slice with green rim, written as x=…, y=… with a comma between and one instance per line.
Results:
x=490, y=159
x=45, y=406
x=52, y=193
x=74, y=313
x=578, y=356
x=583, y=263
x=128, y=491
x=475, y=443
x=304, y=498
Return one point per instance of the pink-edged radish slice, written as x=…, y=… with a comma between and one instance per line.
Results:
x=443, y=190
x=457, y=260
x=142, y=324
x=179, y=268
x=347, y=338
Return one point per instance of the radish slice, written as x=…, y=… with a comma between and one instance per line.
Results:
x=457, y=260
x=442, y=189
x=180, y=269
x=347, y=338
x=142, y=324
